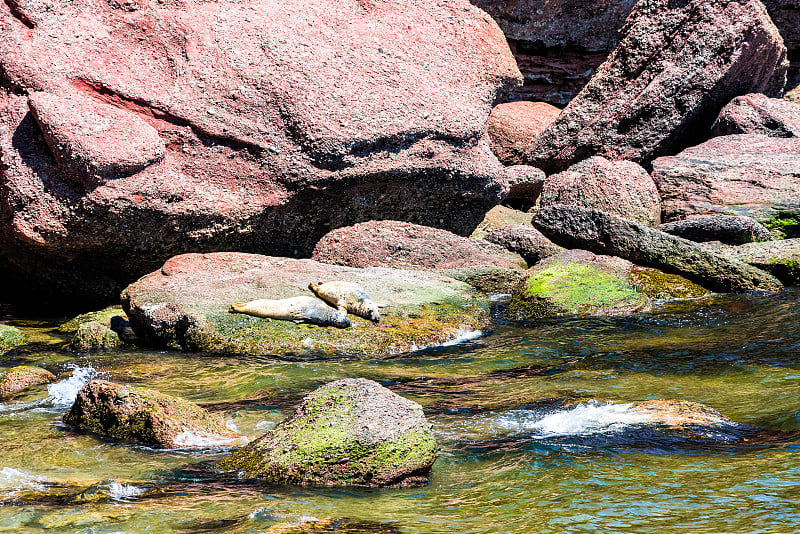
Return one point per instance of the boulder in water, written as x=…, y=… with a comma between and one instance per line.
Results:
x=94, y=336
x=351, y=432
x=147, y=417
x=23, y=377
x=10, y=337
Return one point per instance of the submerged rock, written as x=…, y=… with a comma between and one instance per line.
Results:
x=185, y=306
x=351, y=432
x=675, y=66
x=94, y=336
x=10, y=337
x=577, y=282
x=526, y=241
x=513, y=125
x=620, y=187
x=758, y=114
x=147, y=417
x=233, y=121
x=605, y=233
x=748, y=174
x=402, y=245
x=340, y=525
x=23, y=377
x=729, y=229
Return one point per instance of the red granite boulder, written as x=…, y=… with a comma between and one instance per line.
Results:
x=758, y=114
x=676, y=65
x=274, y=122
x=512, y=127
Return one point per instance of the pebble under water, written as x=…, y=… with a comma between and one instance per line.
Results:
x=534, y=421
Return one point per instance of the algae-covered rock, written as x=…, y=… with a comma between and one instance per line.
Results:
x=780, y=258
x=577, y=282
x=10, y=337
x=351, y=432
x=23, y=377
x=486, y=279
x=104, y=316
x=94, y=336
x=185, y=306
x=147, y=417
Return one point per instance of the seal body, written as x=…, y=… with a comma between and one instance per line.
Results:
x=348, y=297
x=299, y=309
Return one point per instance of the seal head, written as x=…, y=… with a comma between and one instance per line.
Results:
x=348, y=297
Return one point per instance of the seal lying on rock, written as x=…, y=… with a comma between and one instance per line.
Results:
x=347, y=297
x=299, y=309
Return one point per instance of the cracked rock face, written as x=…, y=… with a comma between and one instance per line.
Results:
x=133, y=131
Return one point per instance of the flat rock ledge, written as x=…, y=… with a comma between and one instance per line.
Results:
x=147, y=417
x=184, y=306
x=604, y=233
x=351, y=432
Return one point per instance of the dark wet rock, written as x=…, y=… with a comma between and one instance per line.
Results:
x=185, y=306
x=286, y=120
x=486, y=279
x=729, y=229
x=94, y=336
x=526, y=241
x=351, y=432
x=620, y=187
x=751, y=174
x=499, y=217
x=147, y=417
x=758, y=114
x=23, y=377
x=525, y=185
x=404, y=245
x=558, y=44
x=578, y=282
x=10, y=337
x=513, y=125
x=605, y=233
x=781, y=258
x=675, y=66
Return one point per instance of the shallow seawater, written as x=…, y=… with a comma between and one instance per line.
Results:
x=534, y=423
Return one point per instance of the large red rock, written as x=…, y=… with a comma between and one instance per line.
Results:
x=513, y=125
x=676, y=65
x=403, y=245
x=752, y=175
x=623, y=188
x=279, y=121
x=758, y=114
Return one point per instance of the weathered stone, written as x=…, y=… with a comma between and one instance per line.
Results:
x=758, y=114
x=676, y=65
x=280, y=121
x=402, y=245
x=147, y=417
x=486, y=279
x=95, y=142
x=793, y=95
x=10, y=337
x=498, y=217
x=513, y=125
x=620, y=187
x=94, y=336
x=730, y=229
x=351, y=432
x=752, y=175
x=524, y=186
x=577, y=282
x=526, y=241
x=781, y=258
x=185, y=306
x=23, y=377
x=605, y=233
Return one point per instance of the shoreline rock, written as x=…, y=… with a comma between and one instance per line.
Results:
x=729, y=229
x=20, y=378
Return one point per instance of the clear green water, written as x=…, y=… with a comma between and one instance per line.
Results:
x=498, y=472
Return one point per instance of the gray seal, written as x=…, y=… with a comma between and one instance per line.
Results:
x=298, y=309
x=348, y=297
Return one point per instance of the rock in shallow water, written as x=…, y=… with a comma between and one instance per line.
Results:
x=147, y=417
x=10, y=337
x=23, y=377
x=185, y=306
x=351, y=432
x=605, y=233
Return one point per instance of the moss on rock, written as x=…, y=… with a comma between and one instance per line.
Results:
x=144, y=416
x=23, y=377
x=103, y=317
x=352, y=432
x=10, y=337
x=94, y=336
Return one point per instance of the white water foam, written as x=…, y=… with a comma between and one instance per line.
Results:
x=19, y=480
x=62, y=394
x=201, y=440
x=463, y=336
x=121, y=492
x=583, y=419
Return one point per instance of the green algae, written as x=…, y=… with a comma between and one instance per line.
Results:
x=94, y=335
x=661, y=286
x=785, y=224
x=103, y=316
x=10, y=337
